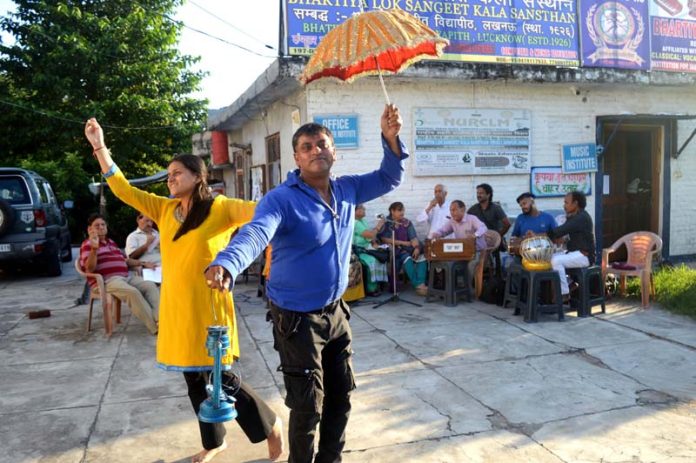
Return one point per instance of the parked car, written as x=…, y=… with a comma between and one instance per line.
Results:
x=33, y=227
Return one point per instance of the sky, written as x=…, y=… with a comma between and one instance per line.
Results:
x=240, y=23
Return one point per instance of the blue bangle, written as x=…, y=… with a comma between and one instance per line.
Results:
x=112, y=170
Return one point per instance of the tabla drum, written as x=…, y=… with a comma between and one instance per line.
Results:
x=536, y=253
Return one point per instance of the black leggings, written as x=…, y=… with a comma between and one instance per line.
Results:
x=255, y=417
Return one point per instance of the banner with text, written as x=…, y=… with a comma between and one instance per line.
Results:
x=551, y=181
x=673, y=38
x=541, y=32
x=615, y=34
x=458, y=141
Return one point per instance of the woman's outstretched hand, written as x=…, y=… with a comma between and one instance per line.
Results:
x=94, y=134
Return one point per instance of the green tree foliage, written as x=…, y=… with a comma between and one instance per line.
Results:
x=116, y=60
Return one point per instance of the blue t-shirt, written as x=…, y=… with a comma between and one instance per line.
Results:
x=540, y=224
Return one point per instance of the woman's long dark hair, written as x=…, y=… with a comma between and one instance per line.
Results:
x=201, y=199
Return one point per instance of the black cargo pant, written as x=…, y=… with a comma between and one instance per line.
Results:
x=315, y=359
x=254, y=416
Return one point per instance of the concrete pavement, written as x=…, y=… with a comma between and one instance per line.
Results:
x=471, y=383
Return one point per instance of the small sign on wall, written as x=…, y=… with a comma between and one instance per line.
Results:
x=580, y=158
x=552, y=181
x=343, y=127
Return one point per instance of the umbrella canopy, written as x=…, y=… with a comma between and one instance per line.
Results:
x=371, y=43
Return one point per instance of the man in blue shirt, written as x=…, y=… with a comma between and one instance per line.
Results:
x=531, y=220
x=309, y=221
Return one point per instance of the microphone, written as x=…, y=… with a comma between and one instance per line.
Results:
x=382, y=217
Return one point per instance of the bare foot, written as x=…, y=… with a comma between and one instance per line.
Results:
x=205, y=456
x=275, y=440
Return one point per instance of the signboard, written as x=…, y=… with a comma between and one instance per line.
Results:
x=344, y=129
x=551, y=181
x=580, y=158
x=615, y=34
x=540, y=32
x=459, y=141
x=673, y=35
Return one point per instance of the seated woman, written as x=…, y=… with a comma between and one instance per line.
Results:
x=363, y=238
x=407, y=248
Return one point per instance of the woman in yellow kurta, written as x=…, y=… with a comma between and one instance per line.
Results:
x=193, y=228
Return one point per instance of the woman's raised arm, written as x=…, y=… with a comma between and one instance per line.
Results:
x=95, y=136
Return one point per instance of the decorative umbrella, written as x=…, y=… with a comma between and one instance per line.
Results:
x=370, y=43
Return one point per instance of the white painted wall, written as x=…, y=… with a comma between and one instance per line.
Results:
x=561, y=114
x=683, y=197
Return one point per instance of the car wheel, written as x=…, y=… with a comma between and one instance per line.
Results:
x=53, y=264
x=6, y=216
x=66, y=253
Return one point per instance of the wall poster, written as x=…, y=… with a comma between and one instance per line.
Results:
x=258, y=182
x=673, y=37
x=460, y=141
x=615, y=34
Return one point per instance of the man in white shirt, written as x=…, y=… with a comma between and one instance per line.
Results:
x=143, y=243
x=437, y=212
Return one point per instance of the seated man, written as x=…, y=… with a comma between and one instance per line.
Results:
x=435, y=213
x=143, y=243
x=99, y=254
x=531, y=221
x=492, y=215
x=581, y=245
x=463, y=225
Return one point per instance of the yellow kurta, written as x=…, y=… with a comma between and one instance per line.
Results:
x=185, y=299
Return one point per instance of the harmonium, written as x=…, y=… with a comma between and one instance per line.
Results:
x=450, y=249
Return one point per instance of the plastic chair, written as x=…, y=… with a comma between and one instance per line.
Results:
x=492, y=239
x=108, y=301
x=641, y=247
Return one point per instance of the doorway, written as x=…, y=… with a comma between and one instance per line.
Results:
x=631, y=183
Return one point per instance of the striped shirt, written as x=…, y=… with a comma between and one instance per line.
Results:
x=110, y=260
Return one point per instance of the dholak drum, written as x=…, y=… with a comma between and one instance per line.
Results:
x=450, y=249
x=536, y=253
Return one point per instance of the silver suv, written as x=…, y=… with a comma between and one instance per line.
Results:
x=33, y=228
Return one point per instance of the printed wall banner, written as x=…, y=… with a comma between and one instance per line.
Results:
x=258, y=184
x=459, y=141
x=579, y=158
x=615, y=34
x=542, y=32
x=343, y=127
x=673, y=35
x=551, y=181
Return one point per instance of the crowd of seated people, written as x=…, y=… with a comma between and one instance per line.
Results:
x=573, y=234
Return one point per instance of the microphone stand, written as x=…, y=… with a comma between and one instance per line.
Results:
x=395, y=295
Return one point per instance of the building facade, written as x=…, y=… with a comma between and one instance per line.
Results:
x=640, y=122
